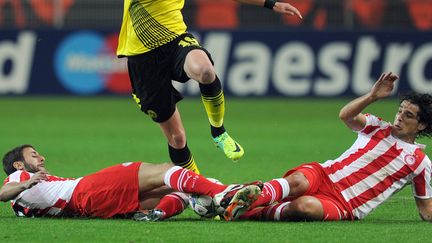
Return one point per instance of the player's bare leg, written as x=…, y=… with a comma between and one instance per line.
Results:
x=150, y=199
x=177, y=146
x=151, y=176
x=199, y=67
x=303, y=208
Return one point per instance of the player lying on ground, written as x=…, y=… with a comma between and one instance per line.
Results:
x=383, y=159
x=117, y=190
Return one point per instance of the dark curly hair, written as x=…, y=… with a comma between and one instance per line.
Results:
x=12, y=156
x=424, y=103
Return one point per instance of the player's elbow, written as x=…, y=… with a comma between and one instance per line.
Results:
x=3, y=197
x=426, y=216
x=344, y=116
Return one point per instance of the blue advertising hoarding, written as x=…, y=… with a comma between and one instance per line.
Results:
x=249, y=63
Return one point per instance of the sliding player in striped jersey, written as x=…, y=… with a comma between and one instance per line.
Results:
x=159, y=49
x=116, y=190
x=383, y=159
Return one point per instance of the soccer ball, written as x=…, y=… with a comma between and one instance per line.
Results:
x=203, y=205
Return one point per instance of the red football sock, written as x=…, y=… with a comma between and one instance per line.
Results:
x=253, y=214
x=190, y=182
x=273, y=191
x=268, y=213
x=173, y=204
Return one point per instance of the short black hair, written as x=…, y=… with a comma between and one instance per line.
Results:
x=424, y=103
x=12, y=156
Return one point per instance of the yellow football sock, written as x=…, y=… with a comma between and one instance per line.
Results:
x=191, y=165
x=215, y=108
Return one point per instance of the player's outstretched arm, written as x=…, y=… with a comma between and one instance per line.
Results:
x=351, y=114
x=424, y=207
x=278, y=7
x=13, y=189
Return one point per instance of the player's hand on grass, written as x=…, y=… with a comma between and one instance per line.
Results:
x=36, y=178
x=384, y=85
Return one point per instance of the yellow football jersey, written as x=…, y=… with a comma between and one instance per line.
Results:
x=148, y=24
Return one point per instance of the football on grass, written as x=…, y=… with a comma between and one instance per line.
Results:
x=203, y=205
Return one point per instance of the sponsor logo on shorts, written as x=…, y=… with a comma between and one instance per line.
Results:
x=152, y=114
x=126, y=164
x=188, y=41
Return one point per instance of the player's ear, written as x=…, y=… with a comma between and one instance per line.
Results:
x=19, y=165
x=421, y=127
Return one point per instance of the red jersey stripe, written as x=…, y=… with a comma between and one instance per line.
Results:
x=24, y=176
x=379, y=188
x=375, y=139
x=419, y=181
x=371, y=168
x=369, y=129
x=420, y=184
x=60, y=204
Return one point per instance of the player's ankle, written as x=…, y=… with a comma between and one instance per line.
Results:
x=217, y=131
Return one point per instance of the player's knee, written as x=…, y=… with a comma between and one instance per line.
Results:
x=305, y=208
x=298, y=184
x=206, y=74
x=178, y=140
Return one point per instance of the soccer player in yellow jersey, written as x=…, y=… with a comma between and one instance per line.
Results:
x=154, y=38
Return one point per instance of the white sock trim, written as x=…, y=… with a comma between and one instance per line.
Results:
x=285, y=187
x=182, y=197
x=267, y=216
x=279, y=210
x=169, y=173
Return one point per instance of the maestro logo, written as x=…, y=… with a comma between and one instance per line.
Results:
x=86, y=63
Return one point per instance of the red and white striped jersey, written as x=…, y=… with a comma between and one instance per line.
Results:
x=48, y=197
x=378, y=165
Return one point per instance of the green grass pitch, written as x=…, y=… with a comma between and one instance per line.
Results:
x=79, y=136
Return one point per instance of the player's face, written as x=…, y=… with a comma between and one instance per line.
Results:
x=33, y=161
x=406, y=125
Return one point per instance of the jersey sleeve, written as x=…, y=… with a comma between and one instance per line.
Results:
x=18, y=176
x=421, y=184
x=373, y=123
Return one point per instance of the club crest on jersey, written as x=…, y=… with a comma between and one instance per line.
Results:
x=410, y=159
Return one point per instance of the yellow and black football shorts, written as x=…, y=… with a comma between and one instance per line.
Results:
x=151, y=76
